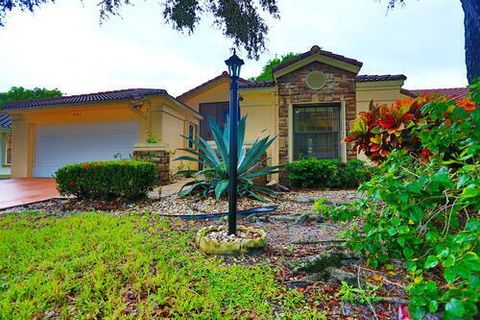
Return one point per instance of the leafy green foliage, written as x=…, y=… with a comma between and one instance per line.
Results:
x=130, y=179
x=240, y=20
x=314, y=173
x=267, y=73
x=213, y=178
x=151, y=138
x=321, y=205
x=22, y=94
x=427, y=212
x=352, y=294
x=96, y=265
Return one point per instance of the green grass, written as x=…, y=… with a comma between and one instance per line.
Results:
x=95, y=265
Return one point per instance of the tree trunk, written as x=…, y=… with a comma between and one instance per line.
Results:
x=471, y=9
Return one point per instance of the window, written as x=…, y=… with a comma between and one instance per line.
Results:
x=316, y=131
x=191, y=134
x=8, y=149
x=218, y=111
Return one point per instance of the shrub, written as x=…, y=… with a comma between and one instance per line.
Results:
x=129, y=179
x=427, y=212
x=387, y=128
x=213, y=178
x=314, y=173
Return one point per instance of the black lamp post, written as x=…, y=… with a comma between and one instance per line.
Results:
x=234, y=64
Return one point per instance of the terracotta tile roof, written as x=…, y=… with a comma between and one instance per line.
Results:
x=447, y=92
x=223, y=75
x=5, y=121
x=125, y=94
x=386, y=77
x=316, y=50
x=407, y=93
x=257, y=84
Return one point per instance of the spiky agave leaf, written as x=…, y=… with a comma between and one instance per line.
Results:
x=212, y=180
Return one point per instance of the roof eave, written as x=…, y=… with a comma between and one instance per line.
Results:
x=378, y=84
x=55, y=107
x=183, y=106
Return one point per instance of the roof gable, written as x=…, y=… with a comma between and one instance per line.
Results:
x=208, y=84
x=317, y=55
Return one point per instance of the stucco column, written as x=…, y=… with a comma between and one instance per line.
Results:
x=21, y=142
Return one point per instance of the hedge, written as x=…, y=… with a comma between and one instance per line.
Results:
x=315, y=173
x=129, y=179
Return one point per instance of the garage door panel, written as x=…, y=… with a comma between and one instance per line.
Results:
x=57, y=145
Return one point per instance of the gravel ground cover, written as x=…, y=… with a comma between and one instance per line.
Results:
x=288, y=202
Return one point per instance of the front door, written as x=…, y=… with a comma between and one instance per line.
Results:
x=316, y=131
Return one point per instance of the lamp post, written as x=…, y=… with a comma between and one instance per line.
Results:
x=234, y=64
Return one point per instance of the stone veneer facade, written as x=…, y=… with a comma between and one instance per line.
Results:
x=293, y=89
x=161, y=158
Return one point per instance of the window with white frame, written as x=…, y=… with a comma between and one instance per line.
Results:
x=192, y=134
x=8, y=150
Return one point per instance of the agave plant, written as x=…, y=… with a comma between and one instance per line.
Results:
x=213, y=178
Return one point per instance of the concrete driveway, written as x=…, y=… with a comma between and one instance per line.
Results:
x=17, y=192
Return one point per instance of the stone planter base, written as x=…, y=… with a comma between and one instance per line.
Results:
x=156, y=153
x=237, y=245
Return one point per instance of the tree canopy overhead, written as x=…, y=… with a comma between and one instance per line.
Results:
x=22, y=94
x=240, y=20
x=267, y=73
x=243, y=21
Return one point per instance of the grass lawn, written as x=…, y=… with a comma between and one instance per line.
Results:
x=97, y=265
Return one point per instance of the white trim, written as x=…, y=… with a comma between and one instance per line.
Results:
x=5, y=163
x=290, y=132
x=343, y=131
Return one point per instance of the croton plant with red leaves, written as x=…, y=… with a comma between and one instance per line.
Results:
x=385, y=128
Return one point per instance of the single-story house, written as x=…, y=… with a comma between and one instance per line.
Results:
x=5, y=145
x=308, y=105
x=50, y=133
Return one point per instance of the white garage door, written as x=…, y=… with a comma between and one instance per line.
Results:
x=57, y=145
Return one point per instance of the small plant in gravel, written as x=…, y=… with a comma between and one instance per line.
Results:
x=350, y=293
x=423, y=207
x=212, y=180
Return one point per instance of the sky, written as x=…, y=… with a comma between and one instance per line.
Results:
x=63, y=46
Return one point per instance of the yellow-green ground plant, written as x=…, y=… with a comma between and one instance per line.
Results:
x=98, y=265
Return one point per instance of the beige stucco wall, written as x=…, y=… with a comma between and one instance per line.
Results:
x=261, y=108
x=381, y=92
x=174, y=123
